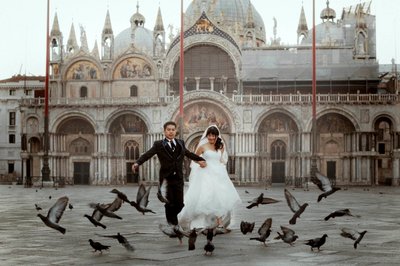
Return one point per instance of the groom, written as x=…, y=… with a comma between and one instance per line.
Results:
x=170, y=152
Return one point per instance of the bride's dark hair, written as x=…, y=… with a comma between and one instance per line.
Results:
x=214, y=131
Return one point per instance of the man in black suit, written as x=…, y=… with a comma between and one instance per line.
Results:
x=170, y=152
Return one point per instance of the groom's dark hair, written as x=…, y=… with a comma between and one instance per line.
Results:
x=169, y=123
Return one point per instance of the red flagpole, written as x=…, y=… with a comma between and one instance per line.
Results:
x=181, y=76
x=314, y=101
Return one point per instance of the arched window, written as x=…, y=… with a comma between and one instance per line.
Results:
x=131, y=150
x=278, y=150
x=134, y=91
x=80, y=146
x=84, y=92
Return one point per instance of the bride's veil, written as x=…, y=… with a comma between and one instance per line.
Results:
x=203, y=140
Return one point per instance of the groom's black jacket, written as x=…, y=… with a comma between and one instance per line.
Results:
x=171, y=162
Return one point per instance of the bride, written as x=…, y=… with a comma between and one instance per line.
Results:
x=211, y=196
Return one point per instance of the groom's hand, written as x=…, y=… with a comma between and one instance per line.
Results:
x=202, y=164
x=135, y=166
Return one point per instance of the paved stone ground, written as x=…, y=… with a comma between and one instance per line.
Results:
x=25, y=240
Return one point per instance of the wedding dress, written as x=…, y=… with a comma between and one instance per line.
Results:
x=211, y=194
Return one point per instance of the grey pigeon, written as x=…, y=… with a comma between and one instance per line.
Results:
x=110, y=207
x=121, y=195
x=104, y=210
x=246, y=227
x=95, y=222
x=287, y=236
x=122, y=240
x=338, y=213
x=37, y=207
x=264, y=231
x=296, y=208
x=173, y=231
x=142, y=200
x=97, y=246
x=209, y=246
x=54, y=214
x=324, y=184
x=261, y=200
x=354, y=235
x=316, y=242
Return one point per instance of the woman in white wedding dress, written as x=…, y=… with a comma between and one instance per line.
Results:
x=211, y=196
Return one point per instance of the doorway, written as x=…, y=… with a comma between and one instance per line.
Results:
x=278, y=172
x=131, y=177
x=331, y=170
x=81, y=173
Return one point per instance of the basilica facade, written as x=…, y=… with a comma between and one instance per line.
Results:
x=108, y=104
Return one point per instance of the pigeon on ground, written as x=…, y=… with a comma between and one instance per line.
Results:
x=338, y=213
x=121, y=195
x=54, y=215
x=110, y=207
x=288, y=235
x=316, y=242
x=296, y=208
x=324, y=184
x=122, y=240
x=70, y=206
x=173, y=231
x=264, y=231
x=261, y=200
x=104, y=210
x=246, y=227
x=192, y=239
x=353, y=234
x=142, y=200
x=209, y=246
x=95, y=222
x=97, y=246
x=37, y=207
x=246, y=192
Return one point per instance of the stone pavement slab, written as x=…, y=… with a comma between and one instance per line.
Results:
x=25, y=240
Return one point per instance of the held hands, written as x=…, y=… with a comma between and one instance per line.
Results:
x=202, y=164
x=135, y=166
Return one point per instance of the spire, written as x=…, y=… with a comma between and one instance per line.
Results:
x=137, y=19
x=72, y=45
x=107, y=29
x=84, y=44
x=159, y=26
x=95, y=51
x=302, y=27
x=55, y=29
x=250, y=18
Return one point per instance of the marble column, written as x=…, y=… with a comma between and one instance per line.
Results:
x=212, y=83
x=197, y=83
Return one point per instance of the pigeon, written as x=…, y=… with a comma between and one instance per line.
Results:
x=264, y=231
x=173, y=231
x=288, y=235
x=49, y=197
x=97, y=246
x=354, y=235
x=209, y=246
x=324, y=184
x=338, y=213
x=142, y=199
x=246, y=192
x=316, y=242
x=122, y=240
x=104, y=210
x=121, y=195
x=37, y=207
x=296, y=208
x=260, y=200
x=192, y=239
x=95, y=222
x=70, y=206
x=246, y=227
x=162, y=191
x=54, y=215
x=111, y=207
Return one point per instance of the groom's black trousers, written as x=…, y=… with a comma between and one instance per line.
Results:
x=175, y=186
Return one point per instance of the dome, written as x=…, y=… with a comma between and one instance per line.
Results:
x=229, y=15
x=141, y=38
x=327, y=33
x=328, y=13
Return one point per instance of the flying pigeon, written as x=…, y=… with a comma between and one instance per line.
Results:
x=264, y=231
x=324, y=184
x=54, y=215
x=110, y=207
x=97, y=246
x=173, y=231
x=122, y=240
x=296, y=208
x=316, y=242
x=288, y=235
x=121, y=195
x=37, y=207
x=142, y=200
x=260, y=200
x=338, y=213
x=246, y=227
x=354, y=235
x=104, y=210
x=95, y=222
x=162, y=191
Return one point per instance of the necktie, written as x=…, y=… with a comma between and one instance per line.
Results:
x=173, y=146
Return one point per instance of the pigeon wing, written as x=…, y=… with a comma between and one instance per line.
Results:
x=265, y=227
x=349, y=233
x=287, y=231
x=115, y=205
x=269, y=201
x=291, y=201
x=322, y=182
x=57, y=210
x=144, y=200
